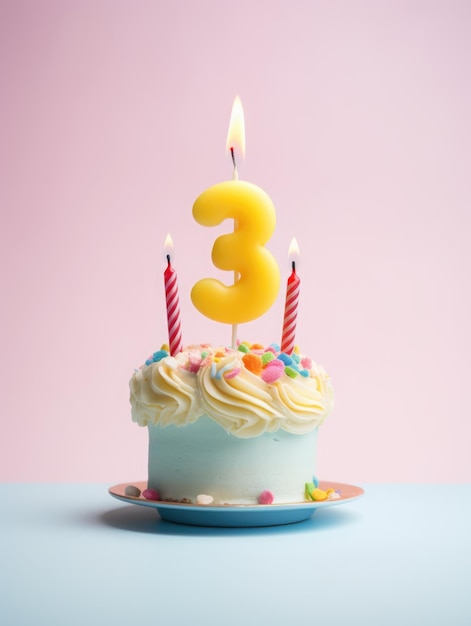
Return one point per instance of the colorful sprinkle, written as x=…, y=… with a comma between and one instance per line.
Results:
x=257, y=346
x=194, y=363
x=266, y=362
x=267, y=357
x=133, y=491
x=306, y=362
x=272, y=374
x=243, y=347
x=232, y=374
x=287, y=360
x=316, y=494
x=319, y=495
x=219, y=374
x=151, y=494
x=266, y=497
x=276, y=363
x=308, y=489
x=202, y=498
x=157, y=356
x=253, y=363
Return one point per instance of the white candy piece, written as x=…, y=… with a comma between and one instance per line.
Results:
x=333, y=496
x=204, y=499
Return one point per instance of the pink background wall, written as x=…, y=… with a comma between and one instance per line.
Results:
x=113, y=119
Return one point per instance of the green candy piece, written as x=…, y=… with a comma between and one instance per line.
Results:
x=243, y=348
x=267, y=357
x=308, y=489
x=291, y=372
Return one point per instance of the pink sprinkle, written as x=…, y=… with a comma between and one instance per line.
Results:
x=270, y=349
x=151, y=494
x=233, y=373
x=194, y=364
x=270, y=374
x=266, y=497
x=306, y=363
x=276, y=363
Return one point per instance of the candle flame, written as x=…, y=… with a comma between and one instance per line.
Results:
x=168, y=245
x=235, y=143
x=293, y=252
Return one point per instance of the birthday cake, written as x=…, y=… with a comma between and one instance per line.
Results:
x=231, y=425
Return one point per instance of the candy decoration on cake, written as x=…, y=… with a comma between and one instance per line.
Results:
x=173, y=304
x=204, y=499
x=266, y=497
x=291, y=305
x=132, y=491
x=316, y=494
x=151, y=494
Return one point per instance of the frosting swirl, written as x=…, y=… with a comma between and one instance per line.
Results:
x=247, y=391
x=164, y=393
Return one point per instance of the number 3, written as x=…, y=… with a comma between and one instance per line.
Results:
x=242, y=251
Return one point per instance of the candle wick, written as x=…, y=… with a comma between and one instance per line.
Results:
x=168, y=258
x=293, y=265
x=235, y=175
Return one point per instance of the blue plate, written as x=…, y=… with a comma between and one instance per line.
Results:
x=238, y=515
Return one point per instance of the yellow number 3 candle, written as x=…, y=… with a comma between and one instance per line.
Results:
x=257, y=276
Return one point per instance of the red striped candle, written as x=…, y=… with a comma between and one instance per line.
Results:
x=173, y=305
x=291, y=305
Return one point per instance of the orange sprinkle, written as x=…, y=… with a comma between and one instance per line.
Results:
x=257, y=346
x=253, y=363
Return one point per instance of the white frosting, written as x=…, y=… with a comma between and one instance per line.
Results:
x=219, y=383
x=165, y=394
x=203, y=458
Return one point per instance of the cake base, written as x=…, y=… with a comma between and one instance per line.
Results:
x=202, y=458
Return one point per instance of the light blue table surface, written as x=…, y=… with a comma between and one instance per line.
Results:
x=73, y=555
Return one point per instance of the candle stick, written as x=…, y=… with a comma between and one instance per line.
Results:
x=236, y=135
x=173, y=304
x=235, y=176
x=291, y=305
